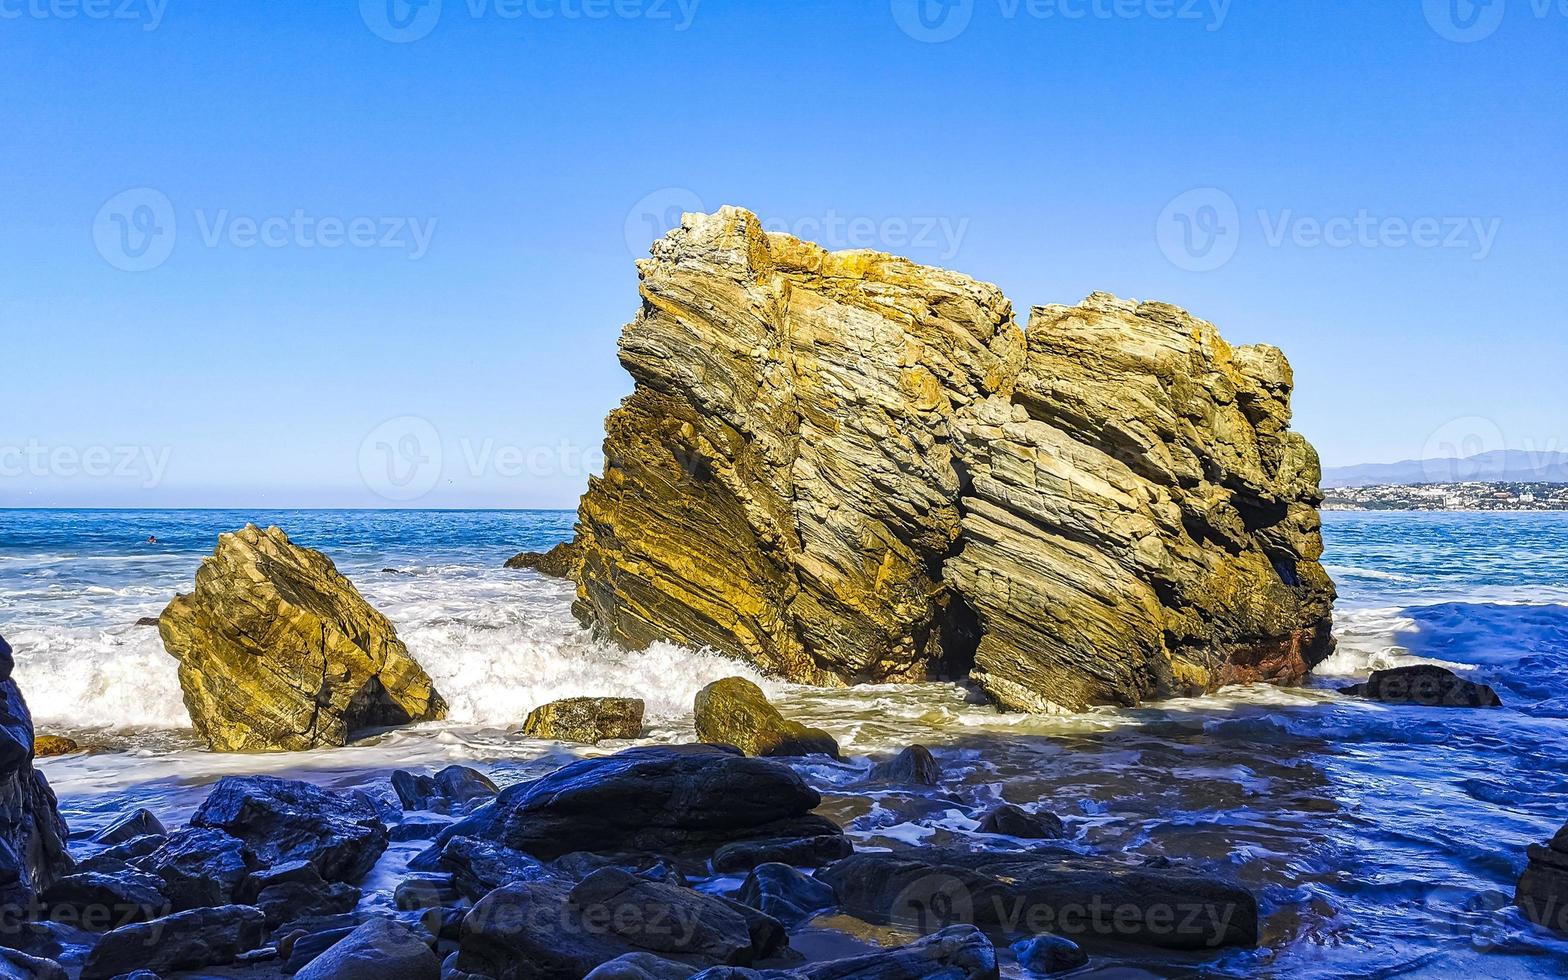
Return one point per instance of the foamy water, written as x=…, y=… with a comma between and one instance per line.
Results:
x=1381, y=840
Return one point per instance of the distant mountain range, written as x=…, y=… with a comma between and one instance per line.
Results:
x=1503, y=466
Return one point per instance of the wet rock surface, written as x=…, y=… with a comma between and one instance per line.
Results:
x=277, y=650
x=183, y=941
x=586, y=720
x=284, y=819
x=1426, y=685
x=1542, y=893
x=734, y=711
x=559, y=562
x=32, y=833
x=1086, y=900
x=454, y=789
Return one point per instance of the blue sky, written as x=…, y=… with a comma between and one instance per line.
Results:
x=258, y=253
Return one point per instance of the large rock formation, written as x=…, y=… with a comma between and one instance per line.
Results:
x=845, y=467
x=32, y=833
x=279, y=651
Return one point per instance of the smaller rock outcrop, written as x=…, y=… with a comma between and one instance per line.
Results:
x=138, y=823
x=734, y=711
x=277, y=650
x=285, y=820
x=1427, y=685
x=786, y=894
x=1047, y=954
x=559, y=562
x=586, y=720
x=1542, y=894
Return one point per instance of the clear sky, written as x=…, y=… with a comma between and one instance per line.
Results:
x=337, y=254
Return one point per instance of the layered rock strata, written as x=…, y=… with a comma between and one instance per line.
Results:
x=846, y=467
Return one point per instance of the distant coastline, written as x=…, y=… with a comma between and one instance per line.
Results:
x=1450, y=497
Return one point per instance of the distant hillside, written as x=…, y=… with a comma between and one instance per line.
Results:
x=1503, y=466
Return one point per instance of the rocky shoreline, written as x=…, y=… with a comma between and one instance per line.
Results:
x=842, y=468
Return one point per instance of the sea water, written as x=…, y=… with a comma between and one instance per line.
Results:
x=1382, y=841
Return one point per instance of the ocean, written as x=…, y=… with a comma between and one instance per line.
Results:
x=1382, y=841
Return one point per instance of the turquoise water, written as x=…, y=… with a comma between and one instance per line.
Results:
x=1382, y=841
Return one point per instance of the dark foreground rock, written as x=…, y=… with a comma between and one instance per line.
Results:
x=1424, y=684
x=16, y=965
x=138, y=823
x=734, y=711
x=98, y=902
x=1048, y=954
x=200, y=867
x=586, y=720
x=802, y=852
x=559, y=562
x=958, y=953
x=277, y=650
x=285, y=819
x=32, y=833
x=684, y=801
x=183, y=941
x=552, y=929
x=1542, y=894
x=381, y=949
x=1008, y=895
x=454, y=789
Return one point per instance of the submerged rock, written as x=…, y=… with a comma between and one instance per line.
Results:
x=559, y=562
x=734, y=711
x=286, y=819
x=1088, y=900
x=684, y=801
x=915, y=766
x=586, y=720
x=1010, y=820
x=45, y=746
x=845, y=467
x=184, y=941
x=32, y=833
x=279, y=651
x=1425, y=684
x=1542, y=894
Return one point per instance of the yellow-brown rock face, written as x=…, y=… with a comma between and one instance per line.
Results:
x=277, y=650
x=781, y=484
x=844, y=468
